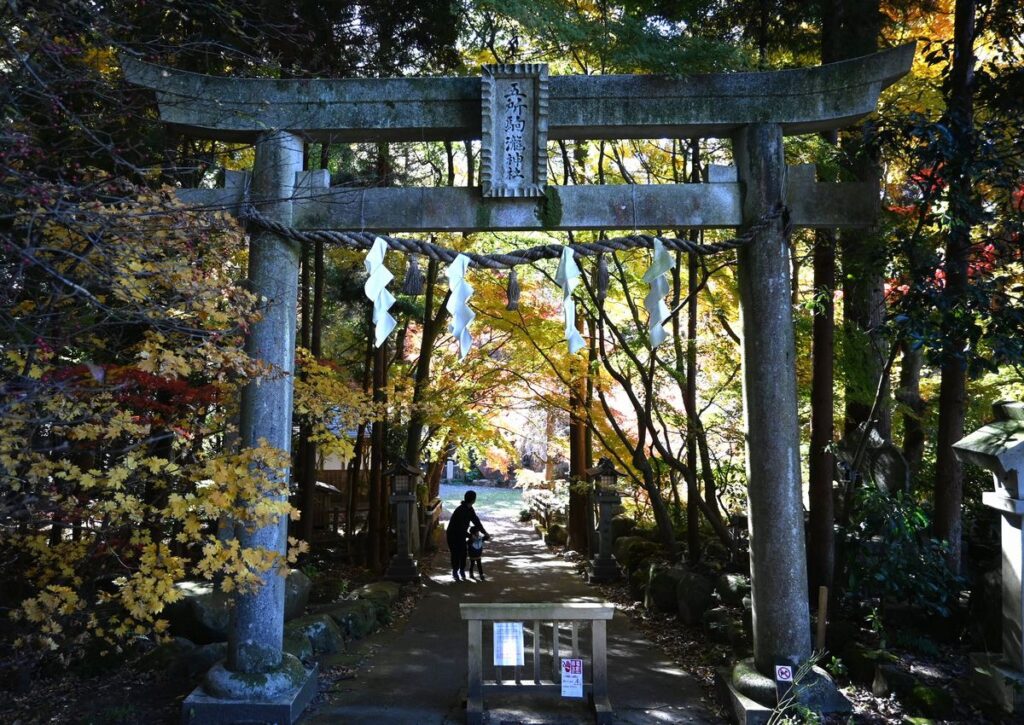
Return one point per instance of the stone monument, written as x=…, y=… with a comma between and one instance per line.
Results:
x=999, y=447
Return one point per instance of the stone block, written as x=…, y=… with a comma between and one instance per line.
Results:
x=203, y=614
x=933, y=702
x=639, y=578
x=386, y=591
x=661, y=589
x=297, y=587
x=556, y=535
x=198, y=661
x=693, y=596
x=632, y=551
x=731, y=588
x=818, y=693
x=355, y=617
x=322, y=631
x=298, y=645
x=999, y=684
x=622, y=526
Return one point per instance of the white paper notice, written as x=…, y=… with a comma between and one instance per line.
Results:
x=572, y=678
x=508, y=644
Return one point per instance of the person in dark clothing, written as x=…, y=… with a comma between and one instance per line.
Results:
x=476, y=551
x=458, y=532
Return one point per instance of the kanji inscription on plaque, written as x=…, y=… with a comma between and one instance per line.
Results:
x=513, y=159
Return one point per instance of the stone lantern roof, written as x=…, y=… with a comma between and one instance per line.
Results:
x=998, y=446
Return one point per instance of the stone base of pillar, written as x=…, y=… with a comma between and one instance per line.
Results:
x=290, y=690
x=600, y=571
x=750, y=696
x=402, y=570
x=741, y=709
x=998, y=682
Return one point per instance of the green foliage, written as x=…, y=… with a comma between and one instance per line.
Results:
x=891, y=557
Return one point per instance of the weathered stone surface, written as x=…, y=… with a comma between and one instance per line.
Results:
x=297, y=587
x=578, y=207
x=732, y=588
x=747, y=680
x=514, y=129
x=881, y=462
x=388, y=592
x=818, y=693
x=355, y=617
x=298, y=645
x=778, y=561
x=891, y=678
x=724, y=626
x=622, y=526
x=933, y=702
x=803, y=100
x=166, y=655
x=265, y=415
x=202, y=615
x=556, y=535
x=631, y=551
x=202, y=658
x=693, y=596
x=290, y=675
x=862, y=661
x=324, y=635
x=639, y=578
x=661, y=590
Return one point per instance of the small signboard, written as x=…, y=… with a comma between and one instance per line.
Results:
x=508, y=644
x=572, y=677
x=785, y=671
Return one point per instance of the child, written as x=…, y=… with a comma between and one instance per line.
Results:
x=476, y=550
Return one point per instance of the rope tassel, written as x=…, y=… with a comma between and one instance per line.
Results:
x=413, y=282
x=513, y=291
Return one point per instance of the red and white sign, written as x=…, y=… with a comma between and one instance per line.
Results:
x=572, y=677
x=783, y=673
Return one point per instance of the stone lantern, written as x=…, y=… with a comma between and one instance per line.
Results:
x=603, y=567
x=404, y=479
x=999, y=447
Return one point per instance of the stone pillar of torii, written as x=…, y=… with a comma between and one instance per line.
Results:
x=515, y=110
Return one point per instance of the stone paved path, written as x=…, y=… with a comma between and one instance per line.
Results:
x=415, y=674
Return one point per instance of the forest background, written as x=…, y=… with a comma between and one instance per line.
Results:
x=123, y=312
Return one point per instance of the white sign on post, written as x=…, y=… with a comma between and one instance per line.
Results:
x=508, y=644
x=572, y=677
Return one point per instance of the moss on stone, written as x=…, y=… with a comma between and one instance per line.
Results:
x=549, y=209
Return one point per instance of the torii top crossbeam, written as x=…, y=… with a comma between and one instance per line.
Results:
x=802, y=100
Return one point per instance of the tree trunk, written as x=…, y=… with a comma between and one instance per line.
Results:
x=862, y=254
x=953, y=388
x=549, y=434
x=378, y=456
x=306, y=451
x=579, y=496
x=821, y=536
x=821, y=521
x=431, y=327
x=909, y=396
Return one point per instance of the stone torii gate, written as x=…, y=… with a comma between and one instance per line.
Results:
x=515, y=110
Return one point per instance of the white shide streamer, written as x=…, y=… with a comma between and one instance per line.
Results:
x=654, y=302
x=376, y=290
x=568, y=277
x=458, y=305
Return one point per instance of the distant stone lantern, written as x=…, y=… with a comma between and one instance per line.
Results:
x=404, y=479
x=603, y=567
